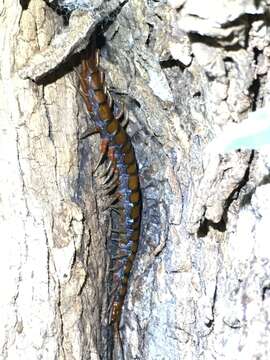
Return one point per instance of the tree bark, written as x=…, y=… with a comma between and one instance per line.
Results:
x=46, y=202
x=199, y=288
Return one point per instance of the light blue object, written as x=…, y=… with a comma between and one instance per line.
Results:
x=252, y=133
x=255, y=141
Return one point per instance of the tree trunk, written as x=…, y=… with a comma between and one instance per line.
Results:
x=200, y=285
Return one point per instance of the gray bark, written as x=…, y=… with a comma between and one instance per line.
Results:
x=200, y=285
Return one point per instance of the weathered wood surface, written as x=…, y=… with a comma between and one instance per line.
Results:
x=200, y=285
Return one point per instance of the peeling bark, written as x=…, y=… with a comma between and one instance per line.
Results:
x=200, y=284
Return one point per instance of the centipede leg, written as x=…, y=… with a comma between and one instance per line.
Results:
x=115, y=268
x=100, y=159
x=111, y=293
x=109, y=176
x=113, y=182
x=118, y=257
x=102, y=76
x=89, y=131
x=124, y=122
x=109, y=97
x=118, y=231
x=118, y=111
x=116, y=208
x=121, y=115
x=103, y=150
x=97, y=57
x=113, y=199
x=109, y=189
x=108, y=167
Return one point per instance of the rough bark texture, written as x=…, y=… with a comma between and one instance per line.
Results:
x=200, y=285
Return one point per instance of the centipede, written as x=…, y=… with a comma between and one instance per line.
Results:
x=121, y=179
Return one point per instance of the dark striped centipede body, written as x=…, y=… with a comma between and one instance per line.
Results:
x=122, y=175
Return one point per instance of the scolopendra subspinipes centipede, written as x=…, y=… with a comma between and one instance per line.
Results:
x=121, y=178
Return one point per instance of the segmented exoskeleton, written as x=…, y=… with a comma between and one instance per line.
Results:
x=121, y=177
